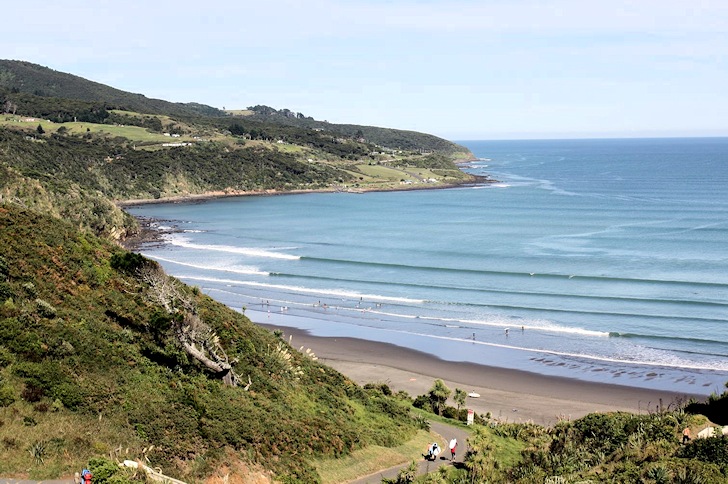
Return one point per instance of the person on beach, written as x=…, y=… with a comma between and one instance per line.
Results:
x=686, y=435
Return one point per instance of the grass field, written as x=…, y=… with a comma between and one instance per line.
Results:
x=132, y=133
x=48, y=444
x=369, y=176
x=372, y=459
x=239, y=112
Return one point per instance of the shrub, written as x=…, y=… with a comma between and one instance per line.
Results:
x=32, y=393
x=4, y=268
x=57, y=405
x=30, y=289
x=6, y=357
x=423, y=402
x=7, y=395
x=6, y=291
x=713, y=449
x=44, y=309
x=41, y=407
x=69, y=394
x=106, y=472
x=455, y=414
x=129, y=262
x=38, y=451
x=382, y=388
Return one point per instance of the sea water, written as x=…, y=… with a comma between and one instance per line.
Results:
x=603, y=260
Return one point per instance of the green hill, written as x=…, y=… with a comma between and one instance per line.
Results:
x=385, y=137
x=29, y=78
x=39, y=90
x=100, y=350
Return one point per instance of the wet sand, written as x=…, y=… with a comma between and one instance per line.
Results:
x=509, y=395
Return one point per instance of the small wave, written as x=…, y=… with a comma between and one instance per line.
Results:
x=353, y=295
x=616, y=334
x=582, y=277
x=535, y=325
x=232, y=269
x=246, y=251
x=623, y=314
x=667, y=363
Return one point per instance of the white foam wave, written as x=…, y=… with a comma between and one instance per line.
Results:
x=536, y=325
x=233, y=269
x=180, y=241
x=666, y=363
x=307, y=290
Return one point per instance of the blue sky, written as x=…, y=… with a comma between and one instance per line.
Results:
x=458, y=69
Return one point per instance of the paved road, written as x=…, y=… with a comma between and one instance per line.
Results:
x=446, y=433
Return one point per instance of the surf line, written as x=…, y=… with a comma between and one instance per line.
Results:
x=563, y=353
x=298, y=289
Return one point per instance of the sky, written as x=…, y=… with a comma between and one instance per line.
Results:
x=459, y=69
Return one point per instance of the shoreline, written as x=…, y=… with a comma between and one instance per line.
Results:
x=148, y=234
x=509, y=395
x=218, y=194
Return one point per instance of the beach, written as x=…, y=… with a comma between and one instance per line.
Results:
x=508, y=395
x=604, y=291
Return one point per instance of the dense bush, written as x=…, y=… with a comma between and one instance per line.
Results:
x=129, y=262
x=713, y=449
x=715, y=408
x=7, y=395
x=108, y=349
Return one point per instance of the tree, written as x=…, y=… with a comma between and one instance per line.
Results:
x=479, y=460
x=459, y=397
x=195, y=337
x=40, y=129
x=439, y=393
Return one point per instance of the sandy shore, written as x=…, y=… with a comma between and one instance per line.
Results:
x=509, y=395
x=214, y=195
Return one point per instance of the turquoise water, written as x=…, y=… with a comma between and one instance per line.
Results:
x=602, y=260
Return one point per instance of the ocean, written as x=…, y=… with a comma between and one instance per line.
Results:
x=602, y=260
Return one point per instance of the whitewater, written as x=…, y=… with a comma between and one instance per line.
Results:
x=603, y=260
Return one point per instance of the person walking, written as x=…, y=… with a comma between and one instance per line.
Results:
x=453, y=446
x=86, y=476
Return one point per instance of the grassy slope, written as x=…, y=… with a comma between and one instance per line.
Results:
x=89, y=365
x=33, y=78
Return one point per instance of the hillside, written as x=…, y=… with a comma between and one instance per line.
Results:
x=95, y=355
x=391, y=138
x=30, y=85
x=71, y=147
x=29, y=78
